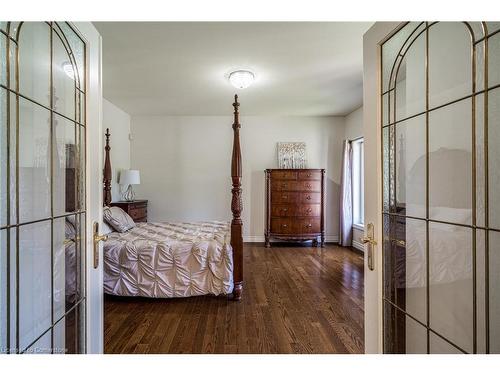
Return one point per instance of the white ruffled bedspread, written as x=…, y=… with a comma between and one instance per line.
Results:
x=164, y=260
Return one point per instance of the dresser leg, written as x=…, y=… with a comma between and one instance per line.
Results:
x=268, y=244
x=322, y=240
x=315, y=242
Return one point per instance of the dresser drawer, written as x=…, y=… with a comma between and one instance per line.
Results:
x=284, y=185
x=282, y=210
x=312, y=225
x=138, y=212
x=310, y=198
x=284, y=175
x=309, y=175
x=309, y=185
x=283, y=197
x=282, y=226
x=309, y=210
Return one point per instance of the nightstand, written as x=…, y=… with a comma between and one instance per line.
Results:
x=138, y=209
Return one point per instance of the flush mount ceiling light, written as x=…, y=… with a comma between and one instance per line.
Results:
x=68, y=69
x=241, y=79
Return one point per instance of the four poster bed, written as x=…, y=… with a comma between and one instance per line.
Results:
x=164, y=260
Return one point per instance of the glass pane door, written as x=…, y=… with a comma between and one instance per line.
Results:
x=42, y=197
x=440, y=120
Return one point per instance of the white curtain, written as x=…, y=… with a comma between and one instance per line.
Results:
x=346, y=196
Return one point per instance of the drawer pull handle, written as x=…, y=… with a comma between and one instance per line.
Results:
x=309, y=210
x=284, y=196
x=309, y=225
x=285, y=209
x=308, y=175
x=308, y=197
x=284, y=225
x=283, y=185
x=308, y=186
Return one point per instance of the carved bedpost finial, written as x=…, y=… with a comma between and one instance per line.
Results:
x=107, y=172
x=236, y=112
x=237, y=206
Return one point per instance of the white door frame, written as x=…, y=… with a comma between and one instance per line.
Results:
x=94, y=146
x=372, y=132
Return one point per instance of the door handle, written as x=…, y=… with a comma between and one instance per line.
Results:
x=369, y=240
x=97, y=238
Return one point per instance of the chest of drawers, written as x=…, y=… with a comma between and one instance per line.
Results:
x=138, y=210
x=295, y=205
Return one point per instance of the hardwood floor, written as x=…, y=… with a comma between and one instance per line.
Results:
x=295, y=300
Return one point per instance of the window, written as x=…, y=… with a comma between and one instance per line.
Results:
x=358, y=195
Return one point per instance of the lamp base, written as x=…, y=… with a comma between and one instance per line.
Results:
x=129, y=194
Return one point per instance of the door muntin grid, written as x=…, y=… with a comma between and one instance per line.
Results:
x=425, y=229
x=42, y=263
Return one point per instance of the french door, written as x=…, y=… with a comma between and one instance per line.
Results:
x=45, y=206
x=440, y=137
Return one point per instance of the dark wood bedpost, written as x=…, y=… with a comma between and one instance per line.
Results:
x=107, y=172
x=237, y=207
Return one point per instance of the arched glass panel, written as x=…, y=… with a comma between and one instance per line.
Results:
x=450, y=63
x=34, y=62
x=440, y=100
x=42, y=233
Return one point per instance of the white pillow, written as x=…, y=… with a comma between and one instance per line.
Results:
x=118, y=219
x=106, y=228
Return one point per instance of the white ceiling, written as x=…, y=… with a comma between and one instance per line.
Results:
x=180, y=68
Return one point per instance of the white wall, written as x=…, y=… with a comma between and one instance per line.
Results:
x=118, y=123
x=354, y=129
x=354, y=124
x=185, y=164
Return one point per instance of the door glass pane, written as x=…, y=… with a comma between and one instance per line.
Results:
x=480, y=66
x=494, y=291
x=450, y=163
x=403, y=334
x=3, y=291
x=80, y=258
x=480, y=163
x=481, y=290
x=494, y=156
x=77, y=48
x=405, y=250
x=386, y=168
x=81, y=177
x=493, y=58
x=440, y=346
x=64, y=80
x=3, y=157
x=65, y=165
x=65, y=334
x=65, y=263
x=42, y=346
x=411, y=166
x=3, y=59
x=410, y=82
x=451, y=294
x=34, y=161
x=450, y=66
x=34, y=281
x=392, y=47
x=34, y=61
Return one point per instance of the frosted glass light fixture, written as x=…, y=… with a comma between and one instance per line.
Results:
x=241, y=79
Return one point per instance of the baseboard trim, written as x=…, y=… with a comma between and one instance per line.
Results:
x=260, y=239
x=358, y=246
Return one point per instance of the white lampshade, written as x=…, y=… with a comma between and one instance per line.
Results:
x=241, y=79
x=130, y=177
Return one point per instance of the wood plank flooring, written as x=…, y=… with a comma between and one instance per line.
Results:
x=295, y=300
